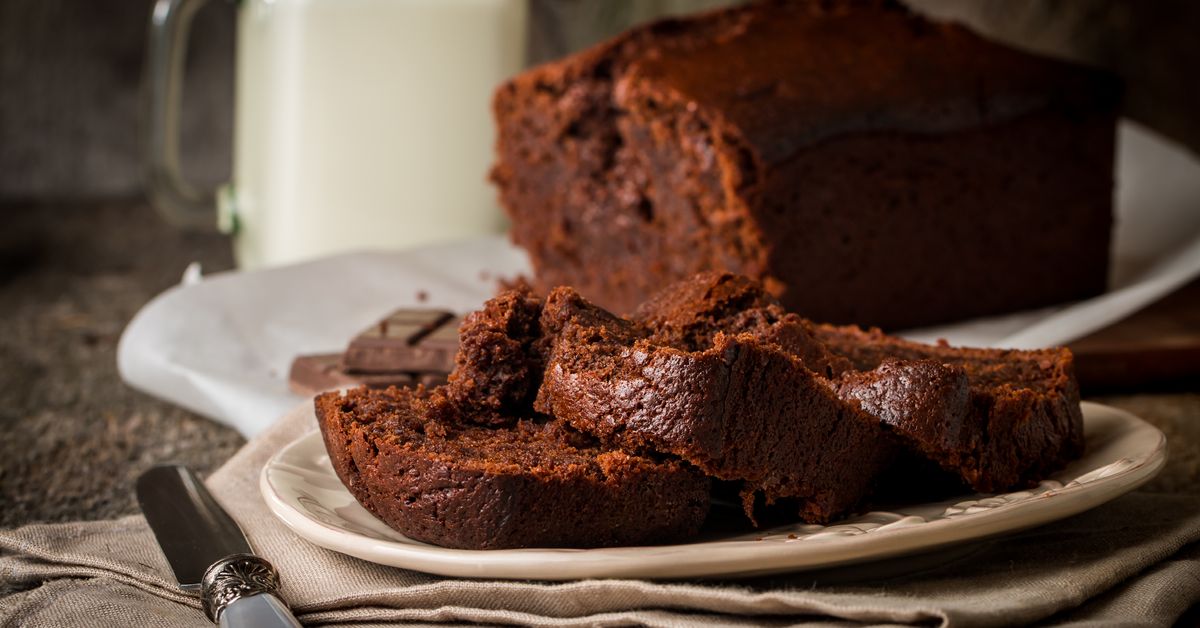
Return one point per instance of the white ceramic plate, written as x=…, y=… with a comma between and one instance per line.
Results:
x=1123, y=452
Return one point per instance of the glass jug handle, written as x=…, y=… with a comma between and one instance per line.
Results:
x=181, y=203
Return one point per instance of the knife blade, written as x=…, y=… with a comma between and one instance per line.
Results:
x=208, y=552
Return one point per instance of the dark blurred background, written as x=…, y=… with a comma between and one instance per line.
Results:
x=70, y=74
x=70, y=106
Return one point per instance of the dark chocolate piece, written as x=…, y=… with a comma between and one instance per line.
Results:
x=312, y=374
x=408, y=340
x=409, y=347
x=440, y=345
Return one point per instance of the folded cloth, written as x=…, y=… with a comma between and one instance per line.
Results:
x=1134, y=561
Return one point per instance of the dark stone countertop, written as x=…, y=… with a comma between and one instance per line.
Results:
x=75, y=437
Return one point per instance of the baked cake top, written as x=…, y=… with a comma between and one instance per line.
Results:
x=788, y=73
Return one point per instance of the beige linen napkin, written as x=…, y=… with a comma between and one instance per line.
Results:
x=1134, y=561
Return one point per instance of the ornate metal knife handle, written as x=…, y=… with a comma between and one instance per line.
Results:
x=233, y=578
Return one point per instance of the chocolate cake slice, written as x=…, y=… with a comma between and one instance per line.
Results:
x=867, y=165
x=739, y=408
x=409, y=458
x=1021, y=419
x=999, y=419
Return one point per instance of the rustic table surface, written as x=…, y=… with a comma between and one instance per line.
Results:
x=75, y=437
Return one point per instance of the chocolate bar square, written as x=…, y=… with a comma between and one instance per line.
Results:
x=312, y=374
x=408, y=340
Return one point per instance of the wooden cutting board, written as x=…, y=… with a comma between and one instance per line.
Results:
x=1155, y=348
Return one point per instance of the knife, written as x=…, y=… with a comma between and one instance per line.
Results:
x=208, y=551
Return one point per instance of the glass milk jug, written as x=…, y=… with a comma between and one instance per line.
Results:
x=359, y=124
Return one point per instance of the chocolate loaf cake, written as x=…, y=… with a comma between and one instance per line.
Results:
x=409, y=458
x=865, y=164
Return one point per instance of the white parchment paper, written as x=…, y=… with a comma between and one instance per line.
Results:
x=221, y=345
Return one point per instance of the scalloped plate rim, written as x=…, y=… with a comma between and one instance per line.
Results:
x=738, y=555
